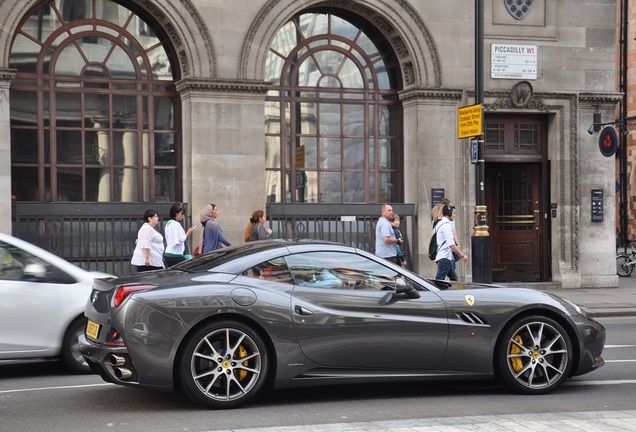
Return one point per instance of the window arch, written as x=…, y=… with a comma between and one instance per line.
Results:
x=333, y=120
x=94, y=111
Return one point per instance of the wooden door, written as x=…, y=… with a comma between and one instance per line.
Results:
x=515, y=221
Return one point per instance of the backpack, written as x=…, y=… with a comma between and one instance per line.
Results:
x=432, y=245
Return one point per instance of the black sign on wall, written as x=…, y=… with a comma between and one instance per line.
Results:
x=597, y=205
x=437, y=194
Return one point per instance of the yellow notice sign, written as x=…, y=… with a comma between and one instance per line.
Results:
x=469, y=121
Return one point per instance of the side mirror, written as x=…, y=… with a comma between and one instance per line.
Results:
x=34, y=271
x=401, y=287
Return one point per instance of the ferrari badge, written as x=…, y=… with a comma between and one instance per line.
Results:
x=469, y=299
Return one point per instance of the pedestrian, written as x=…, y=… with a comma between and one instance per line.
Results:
x=176, y=236
x=148, y=253
x=256, y=229
x=446, y=245
x=437, y=216
x=212, y=234
x=385, y=240
x=399, y=252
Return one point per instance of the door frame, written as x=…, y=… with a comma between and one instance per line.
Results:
x=506, y=155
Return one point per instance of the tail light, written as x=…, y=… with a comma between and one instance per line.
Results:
x=114, y=339
x=123, y=291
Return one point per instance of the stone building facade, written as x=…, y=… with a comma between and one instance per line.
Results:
x=145, y=101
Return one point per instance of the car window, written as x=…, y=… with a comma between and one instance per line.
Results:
x=339, y=270
x=17, y=264
x=274, y=270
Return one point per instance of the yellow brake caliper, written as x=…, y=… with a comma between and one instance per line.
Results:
x=242, y=353
x=517, y=364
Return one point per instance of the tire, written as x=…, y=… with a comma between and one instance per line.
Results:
x=223, y=365
x=534, y=355
x=623, y=269
x=71, y=356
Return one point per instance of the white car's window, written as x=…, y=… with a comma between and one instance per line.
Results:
x=17, y=264
x=339, y=270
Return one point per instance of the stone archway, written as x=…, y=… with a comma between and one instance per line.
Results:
x=400, y=23
x=181, y=21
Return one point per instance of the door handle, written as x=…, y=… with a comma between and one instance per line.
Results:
x=299, y=310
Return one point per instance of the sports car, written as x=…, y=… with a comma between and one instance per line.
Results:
x=228, y=325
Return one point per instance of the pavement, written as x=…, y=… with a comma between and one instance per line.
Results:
x=603, y=302
x=597, y=302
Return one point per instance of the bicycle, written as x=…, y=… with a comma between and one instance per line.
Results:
x=625, y=262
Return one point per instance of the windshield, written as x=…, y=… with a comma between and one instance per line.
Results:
x=221, y=256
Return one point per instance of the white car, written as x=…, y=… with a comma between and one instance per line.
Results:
x=42, y=301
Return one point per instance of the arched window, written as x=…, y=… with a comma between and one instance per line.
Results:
x=333, y=121
x=94, y=112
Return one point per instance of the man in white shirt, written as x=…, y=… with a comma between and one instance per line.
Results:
x=446, y=245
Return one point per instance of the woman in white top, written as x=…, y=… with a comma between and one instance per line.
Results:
x=176, y=236
x=148, y=254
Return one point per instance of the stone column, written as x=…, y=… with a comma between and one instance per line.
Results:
x=224, y=150
x=129, y=176
x=435, y=158
x=6, y=75
x=104, y=151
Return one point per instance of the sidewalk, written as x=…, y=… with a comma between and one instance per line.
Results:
x=604, y=302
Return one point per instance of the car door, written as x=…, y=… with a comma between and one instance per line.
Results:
x=30, y=305
x=347, y=324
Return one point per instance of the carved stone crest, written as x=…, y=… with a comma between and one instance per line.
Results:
x=521, y=94
x=518, y=8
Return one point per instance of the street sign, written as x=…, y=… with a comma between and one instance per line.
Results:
x=469, y=121
x=474, y=151
x=608, y=141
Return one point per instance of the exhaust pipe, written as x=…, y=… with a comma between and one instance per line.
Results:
x=116, y=360
x=122, y=373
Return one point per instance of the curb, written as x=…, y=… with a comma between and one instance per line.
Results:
x=612, y=312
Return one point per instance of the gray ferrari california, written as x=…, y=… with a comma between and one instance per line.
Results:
x=227, y=326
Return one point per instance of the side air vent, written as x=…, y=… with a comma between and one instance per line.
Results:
x=471, y=318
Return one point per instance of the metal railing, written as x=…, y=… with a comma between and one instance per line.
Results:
x=95, y=236
x=101, y=236
x=352, y=224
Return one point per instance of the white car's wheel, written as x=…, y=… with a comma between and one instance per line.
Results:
x=71, y=356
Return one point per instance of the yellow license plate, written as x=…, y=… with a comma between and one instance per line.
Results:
x=92, y=329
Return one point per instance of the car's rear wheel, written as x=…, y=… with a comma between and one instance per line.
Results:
x=71, y=356
x=534, y=355
x=224, y=365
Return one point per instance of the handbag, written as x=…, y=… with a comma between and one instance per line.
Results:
x=187, y=255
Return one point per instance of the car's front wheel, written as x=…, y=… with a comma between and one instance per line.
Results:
x=223, y=365
x=534, y=355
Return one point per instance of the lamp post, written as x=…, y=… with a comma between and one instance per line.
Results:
x=480, y=241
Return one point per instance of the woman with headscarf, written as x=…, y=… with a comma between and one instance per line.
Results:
x=212, y=235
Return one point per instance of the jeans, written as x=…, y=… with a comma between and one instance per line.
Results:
x=445, y=268
x=393, y=259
